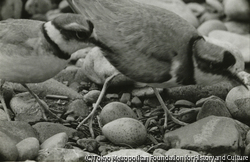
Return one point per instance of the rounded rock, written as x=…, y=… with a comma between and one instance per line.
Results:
x=8, y=150
x=92, y=96
x=210, y=25
x=28, y=149
x=56, y=141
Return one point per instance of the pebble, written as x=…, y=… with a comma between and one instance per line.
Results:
x=38, y=7
x=26, y=108
x=126, y=131
x=56, y=141
x=237, y=9
x=241, y=42
x=48, y=129
x=136, y=102
x=238, y=27
x=196, y=8
x=112, y=96
x=77, y=108
x=125, y=97
x=8, y=150
x=92, y=96
x=238, y=101
x=201, y=101
x=115, y=110
x=210, y=25
x=88, y=144
x=129, y=152
x=175, y=152
x=75, y=86
x=145, y=92
x=62, y=154
x=28, y=149
x=17, y=130
x=11, y=9
x=184, y=103
x=213, y=135
x=176, y=6
x=216, y=107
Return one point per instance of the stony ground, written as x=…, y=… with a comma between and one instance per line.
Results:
x=217, y=116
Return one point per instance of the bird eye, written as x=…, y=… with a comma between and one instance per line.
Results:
x=81, y=35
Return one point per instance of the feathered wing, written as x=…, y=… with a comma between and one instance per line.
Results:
x=139, y=35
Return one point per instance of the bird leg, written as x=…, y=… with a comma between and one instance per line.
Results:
x=166, y=111
x=91, y=115
x=45, y=108
x=3, y=101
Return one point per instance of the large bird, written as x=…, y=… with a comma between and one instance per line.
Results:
x=154, y=46
x=34, y=51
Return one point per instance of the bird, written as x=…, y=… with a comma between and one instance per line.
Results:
x=154, y=46
x=34, y=51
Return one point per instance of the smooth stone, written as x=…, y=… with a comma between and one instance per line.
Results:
x=17, y=130
x=48, y=129
x=62, y=154
x=216, y=107
x=240, y=41
x=200, y=102
x=92, y=96
x=175, y=152
x=28, y=149
x=211, y=25
x=26, y=108
x=111, y=96
x=38, y=7
x=88, y=144
x=125, y=97
x=3, y=115
x=77, y=108
x=176, y=6
x=184, y=103
x=240, y=62
x=196, y=8
x=145, y=92
x=213, y=135
x=8, y=150
x=129, y=152
x=51, y=86
x=207, y=16
x=238, y=101
x=237, y=9
x=238, y=27
x=11, y=9
x=56, y=141
x=136, y=102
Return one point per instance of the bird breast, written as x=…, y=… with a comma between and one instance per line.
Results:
x=30, y=69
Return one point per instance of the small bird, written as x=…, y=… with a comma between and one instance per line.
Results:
x=154, y=46
x=34, y=51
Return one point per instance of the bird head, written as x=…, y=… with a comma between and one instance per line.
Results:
x=213, y=64
x=70, y=32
